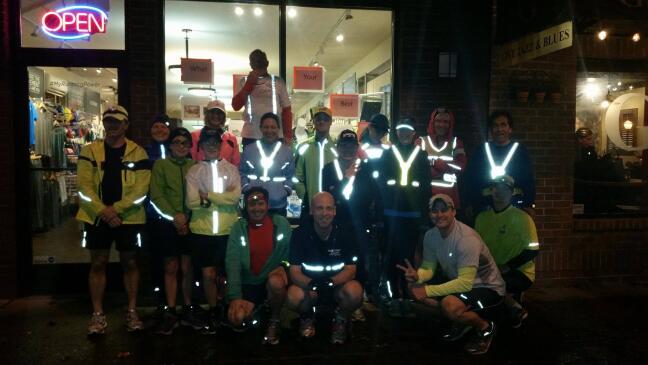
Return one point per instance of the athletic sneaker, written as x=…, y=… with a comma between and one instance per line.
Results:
x=358, y=315
x=517, y=316
x=307, y=327
x=272, y=332
x=455, y=332
x=339, y=331
x=133, y=322
x=395, y=309
x=192, y=317
x=211, y=323
x=481, y=342
x=168, y=324
x=97, y=324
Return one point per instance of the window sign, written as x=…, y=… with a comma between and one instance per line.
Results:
x=88, y=24
x=345, y=105
x=36, y=82
x=195, y=70
x=308, y=79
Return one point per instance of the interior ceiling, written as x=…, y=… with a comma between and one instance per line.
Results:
x=227, y=39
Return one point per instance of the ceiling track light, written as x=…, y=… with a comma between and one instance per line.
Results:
x=346, y=15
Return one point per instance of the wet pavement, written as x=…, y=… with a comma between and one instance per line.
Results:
x=565, y=326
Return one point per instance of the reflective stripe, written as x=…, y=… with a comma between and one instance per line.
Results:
x=84, y=197
x=280, y=237
x=321, y=146
x=375, y=174
x=446, y=158
x=391, y=295
x=162, y=152
x=137, y=201
x=274, y=98
x=159, y=211
x=456, y=167
x=355, y=258
x=130, y=165
x=445, y=144
x=337, y=267
x=264, y=178
x=391, y=182
x=450, y=178
x=267, y=161
x=338, y=170
x=285, y=165
x=279, y=179
x=404, y=126
x=214, y=222
x=405, y=166
x=83, y=239
x=499, y=170
x=242, y=241
x=139, y=240
x=415, y=184
x=442, y=184
x=249, y=164
x=534, y=244
x=252, y=177
x=454, y=143
x=316, y=268
x=217, y=186
x=303, y=149
x=334, y=152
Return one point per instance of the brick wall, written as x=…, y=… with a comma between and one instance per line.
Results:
x=8, y=244
x=425, y=28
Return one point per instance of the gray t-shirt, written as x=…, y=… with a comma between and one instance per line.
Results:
x=463, y=248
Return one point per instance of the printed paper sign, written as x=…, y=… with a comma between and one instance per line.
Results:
x=197, y=71
x=345, y=105
x=308, y=79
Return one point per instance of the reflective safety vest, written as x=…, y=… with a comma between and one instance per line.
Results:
x=446, y=153
x=347, y=190
x=405, y=166
x=374, y=151
x=266, y=163
x=321, y=161
x=274, y=99
x=497, y=170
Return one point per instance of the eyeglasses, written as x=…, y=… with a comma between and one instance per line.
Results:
x=181, y=143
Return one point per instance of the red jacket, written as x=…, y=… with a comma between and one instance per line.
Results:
x=229, y=148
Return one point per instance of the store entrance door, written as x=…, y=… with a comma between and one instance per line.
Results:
x=65, y=107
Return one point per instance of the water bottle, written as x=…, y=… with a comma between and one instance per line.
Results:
x=294, y=205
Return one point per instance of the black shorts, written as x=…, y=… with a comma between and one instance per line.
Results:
x=126, y=237
x=516, y=281
x=254, y=293
x=166, y=240
x=479, y=298
x=208, y=251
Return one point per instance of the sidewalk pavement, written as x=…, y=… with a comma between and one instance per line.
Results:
x=565, y=326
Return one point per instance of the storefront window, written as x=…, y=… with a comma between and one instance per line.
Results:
x=353, y=48
x=65, y=106
x=90, y=24
x=612, y=141
x=224, y=33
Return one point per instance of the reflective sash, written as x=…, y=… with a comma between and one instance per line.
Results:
x=405, y=166
x=499, y=170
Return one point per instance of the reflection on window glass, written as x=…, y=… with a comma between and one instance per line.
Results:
x=611, y=135
x=353, y=47
x=225, y=33
x=90, y=24
x=65, y=108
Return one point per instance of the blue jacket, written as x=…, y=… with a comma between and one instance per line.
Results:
x=277, y=179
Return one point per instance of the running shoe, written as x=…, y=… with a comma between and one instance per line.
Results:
x=517, y=316
x=339, y=331
x=455, y=332
x=273, y=332
x=97, y=324
x=358, y=315
x=211, y=324
x=168, y=324
x=133, y=322
x=481, y=341
x=192, y=317
x=307, y=327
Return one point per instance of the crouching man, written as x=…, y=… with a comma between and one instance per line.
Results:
x=474, y=285
x=256, y=250
x=322, y=269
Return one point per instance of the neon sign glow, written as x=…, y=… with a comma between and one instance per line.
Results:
x=74, y=22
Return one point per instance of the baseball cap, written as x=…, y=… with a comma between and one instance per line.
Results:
x=348, y=136
x=504, y=179
x=216, y=104
x=209, y=134
x=380, y=122
x=116, y=112
x=447, y=200
x=321, y=109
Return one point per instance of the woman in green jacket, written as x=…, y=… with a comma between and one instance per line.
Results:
x=256, y=252
x=167, y=199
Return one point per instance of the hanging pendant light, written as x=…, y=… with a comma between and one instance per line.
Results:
x=176, y=69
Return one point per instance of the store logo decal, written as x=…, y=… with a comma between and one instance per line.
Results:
x=74, y=22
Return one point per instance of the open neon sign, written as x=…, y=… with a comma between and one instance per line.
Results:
x=74, y=22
